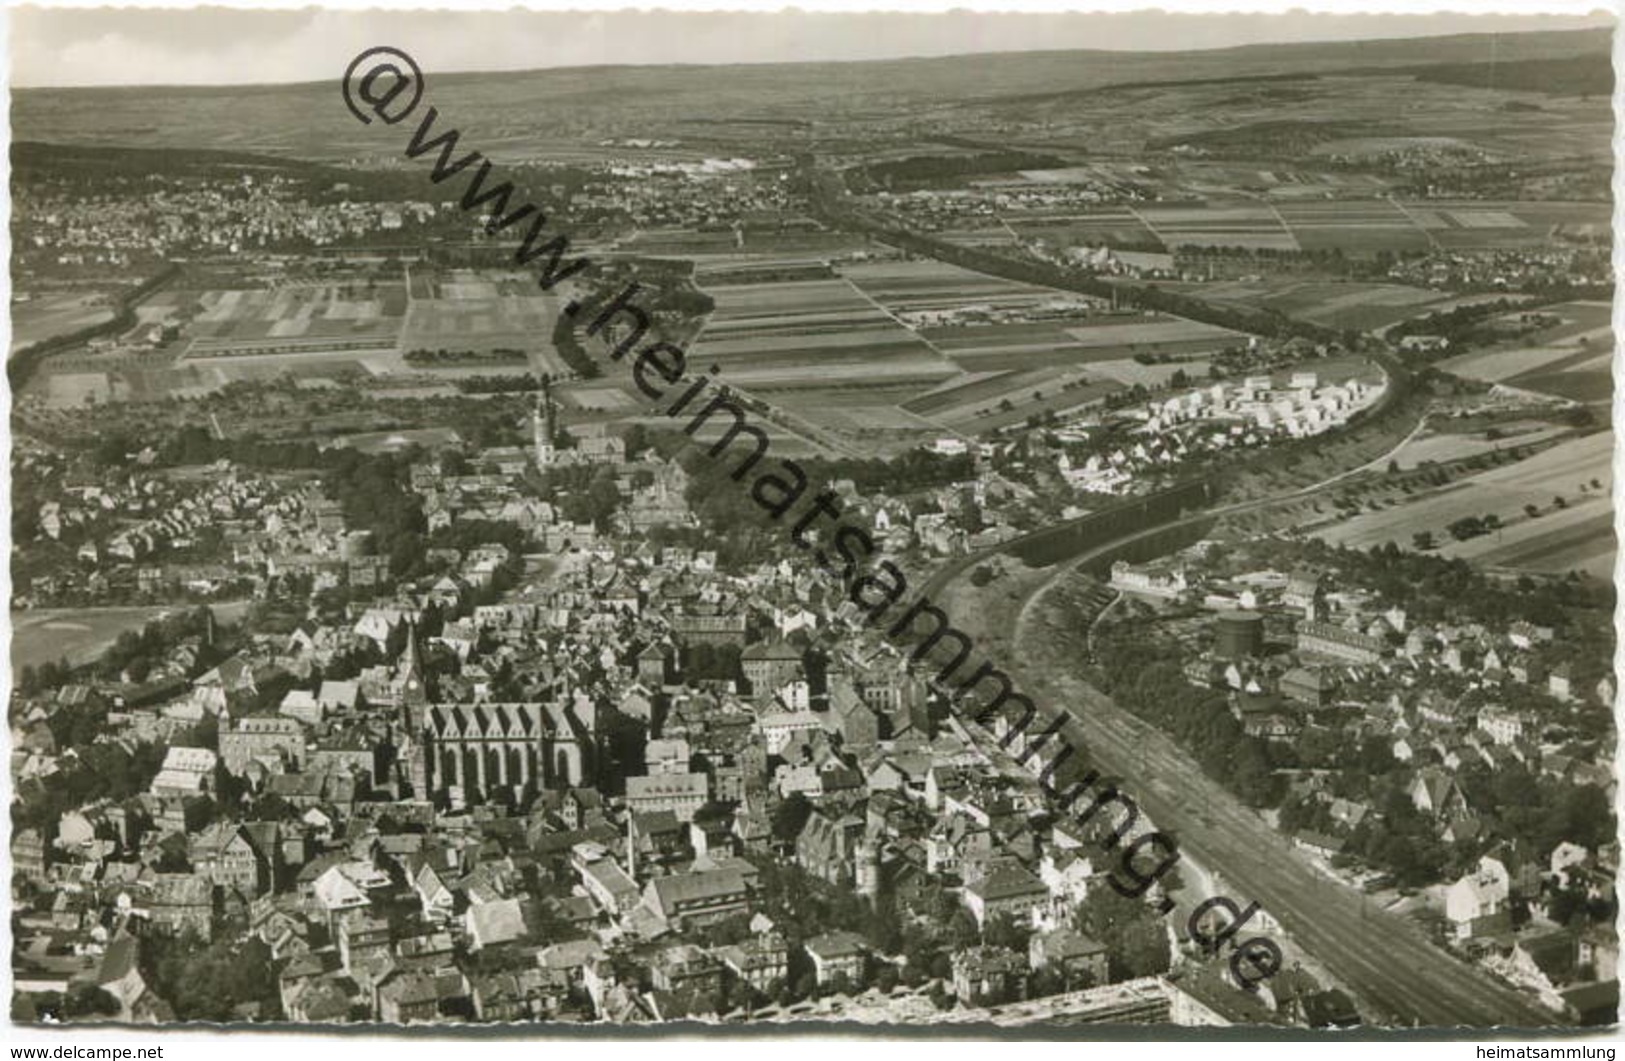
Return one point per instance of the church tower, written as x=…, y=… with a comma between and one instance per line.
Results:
x=544, y=426
x=866, y=867
x=413, y=692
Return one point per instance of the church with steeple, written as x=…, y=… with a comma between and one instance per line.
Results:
x=482, y=748
x=412, y=696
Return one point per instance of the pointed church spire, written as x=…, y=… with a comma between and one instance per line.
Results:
x=410, y=670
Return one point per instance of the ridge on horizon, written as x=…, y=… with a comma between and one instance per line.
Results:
x=1601, y=36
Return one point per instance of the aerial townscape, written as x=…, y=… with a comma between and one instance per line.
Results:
x=381, y=653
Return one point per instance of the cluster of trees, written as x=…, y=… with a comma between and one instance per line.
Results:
x=1474, y=526
x=920, y=170
x=443, y=356
x=376, y=495
x=585, y=494
x=1134, y=934
x=770, y=274
x=734, y=525
x=499, y=384
x=137, y=652
x=1275, y=138
x=1513, y=802
x=1431, y=588
x=98, y=771
x=909, y=472
x=82, y=1001
x=466, y=534
x=208, y=981
x=1461, y=325
x=44, y=677
x=1140, y=673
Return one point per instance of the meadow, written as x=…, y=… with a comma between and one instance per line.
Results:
x=81, y=634
x=57, y=313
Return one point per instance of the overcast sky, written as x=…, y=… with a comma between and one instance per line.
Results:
x=202, y=46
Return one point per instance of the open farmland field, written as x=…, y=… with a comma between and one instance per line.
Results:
x=292, y=320
x=1129, y=372
x=1359, y=228
x=681, y=242
x=726, y=243
x=1361, y=306
x=919, y=286
x=783, y=441
x=1574, y=362
x=1024, y=404
x=811, y=333
x=1560, y=471
x=1589, y=320
x=867, y=412
x=1150, y=332
x=1015, y=347
x=1230, y=225
x=57, y=313
x=994, y=235
x=1494, y=366
x=1078, y=342
x=1473, y=224
x=312, y=330
x=74, y=390
x=1578, y=538
x=1578, y=325
x=1432, y=447
x=984, y=324
x=1119, y=229
x=1272, y=177
x=465, y=309
x=598, y=397
x=1590, y=385
x=985, y=401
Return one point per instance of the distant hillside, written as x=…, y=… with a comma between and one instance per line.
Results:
x=1585, y=75
x=29, y=156
x=524, y=114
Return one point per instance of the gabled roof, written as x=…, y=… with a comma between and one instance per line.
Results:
x=671, y=892
x=834, y=945
x=1008, y=882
